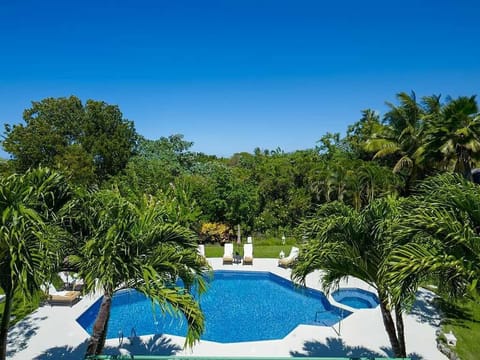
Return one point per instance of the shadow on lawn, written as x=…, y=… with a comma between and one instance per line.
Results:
x=335, y=347
x=456, y=314
x=154, y=345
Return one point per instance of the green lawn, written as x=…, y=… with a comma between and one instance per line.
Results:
x=259, y=251
x=21, y=307
x=463, y=319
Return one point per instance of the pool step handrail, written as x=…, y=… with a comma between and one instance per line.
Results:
x=332, y=326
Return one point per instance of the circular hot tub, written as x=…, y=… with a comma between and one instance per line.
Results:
x=356, y=298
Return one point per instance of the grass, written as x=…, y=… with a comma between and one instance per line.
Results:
x=262, y=248
x=21, y=307
x=463, y=319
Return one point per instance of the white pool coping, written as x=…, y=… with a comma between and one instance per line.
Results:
x=51, y=332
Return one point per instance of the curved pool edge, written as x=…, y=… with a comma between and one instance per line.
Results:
x=369, y=296
x=332, y=313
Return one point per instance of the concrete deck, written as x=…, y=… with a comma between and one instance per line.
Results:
x=53, y=333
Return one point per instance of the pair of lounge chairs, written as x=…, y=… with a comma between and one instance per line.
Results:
x=287, y=261
x=229, y=258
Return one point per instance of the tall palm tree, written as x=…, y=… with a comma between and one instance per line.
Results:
x=346, y=242
x=401, y=139
x=453, y=135
x=29, y=238
x=131, y=246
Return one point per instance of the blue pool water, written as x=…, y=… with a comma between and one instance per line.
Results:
x=238, y=306
x=356, y=298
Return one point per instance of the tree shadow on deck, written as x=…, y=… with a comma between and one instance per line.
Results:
x=425, y=308
x=21, y=333
x=154, y=345
x=335, y=347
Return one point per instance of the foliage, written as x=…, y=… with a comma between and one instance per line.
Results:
x=89, y=142
x=215, y=232
x=29, y=236
x=441, y=224
x=462, y=317
x=345, y=242
x=452, y=135
x=133, y=246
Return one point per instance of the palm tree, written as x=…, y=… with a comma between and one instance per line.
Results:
x=131, y=246
x=346, y=242
x=29, y=238
x=401, y=139
x=453, y=135
x=443, y=225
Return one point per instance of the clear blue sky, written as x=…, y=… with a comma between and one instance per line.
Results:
x=232, y=75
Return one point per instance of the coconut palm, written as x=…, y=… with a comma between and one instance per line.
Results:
x=29, y=238
x=346, y=242
x=453, y=135
x=401, y=139
x=131, y=246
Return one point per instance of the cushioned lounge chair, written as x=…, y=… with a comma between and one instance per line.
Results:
x=287, y=261
x=228, y=253
x=55, y=297
x=247, y=254
x=64, y=298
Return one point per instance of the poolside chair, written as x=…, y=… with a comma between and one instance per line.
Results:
x=228, y=253
x=78, y=284
x=287, y=261
x=55, y=297
x=66, y=278
x=201, y=250
x=247, y=254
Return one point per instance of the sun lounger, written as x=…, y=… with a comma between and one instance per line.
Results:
x=287, y=261
x=228, y=253
x=55, y=297
x=247, y=254
x=64, y=298
x=201, y=250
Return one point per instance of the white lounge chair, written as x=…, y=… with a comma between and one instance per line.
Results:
x=66, y=278
x=201, y=250
x=247, y=254
x=78, y=283
x=228, y=253
x=287, y=261
x=55, y=297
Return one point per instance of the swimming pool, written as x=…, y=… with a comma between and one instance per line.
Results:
x=356, y=298
x=238, y=306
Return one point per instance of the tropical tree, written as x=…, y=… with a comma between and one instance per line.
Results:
x=401, y=139
x=29, y=237
x=442, y=223
x=132, y=246
x=361, y=131
x=345, y=242
x=90, y=142
x=452, y=136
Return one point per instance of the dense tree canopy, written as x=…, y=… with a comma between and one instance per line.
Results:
x=137, y=226
x=29, y=235
x=90, y=142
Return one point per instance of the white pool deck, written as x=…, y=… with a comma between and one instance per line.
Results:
x=52, y=332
